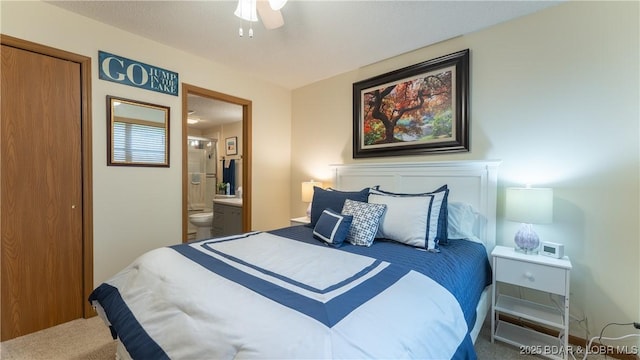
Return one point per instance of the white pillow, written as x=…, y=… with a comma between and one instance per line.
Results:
x=410, y=219
x=405, y=220
x=462, y=219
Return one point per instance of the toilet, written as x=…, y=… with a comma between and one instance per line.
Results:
x=203, y=222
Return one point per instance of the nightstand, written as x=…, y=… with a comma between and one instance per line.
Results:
x=303, y=220
x=537, y=272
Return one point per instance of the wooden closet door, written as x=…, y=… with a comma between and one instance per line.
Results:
x=41, y=192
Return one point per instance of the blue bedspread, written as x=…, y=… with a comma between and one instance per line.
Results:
x=196, y=300
x=462, y=267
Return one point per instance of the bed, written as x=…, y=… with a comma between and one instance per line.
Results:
x=356, y=283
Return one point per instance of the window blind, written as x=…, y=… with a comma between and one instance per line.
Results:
x=138, y=143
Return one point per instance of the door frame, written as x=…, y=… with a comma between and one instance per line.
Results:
x=246, y=152
x=86, y=156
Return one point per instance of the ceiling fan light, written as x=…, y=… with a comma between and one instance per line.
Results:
x=277, y=4
x=246, y=10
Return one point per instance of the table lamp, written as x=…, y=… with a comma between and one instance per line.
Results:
x=529, y=206
x=307, y=193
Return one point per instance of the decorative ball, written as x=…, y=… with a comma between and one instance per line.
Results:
x=527, y=240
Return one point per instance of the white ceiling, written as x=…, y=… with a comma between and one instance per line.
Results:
x=210, y=112
x=319, y=39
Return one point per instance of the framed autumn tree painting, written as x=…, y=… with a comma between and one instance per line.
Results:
x=420, y=109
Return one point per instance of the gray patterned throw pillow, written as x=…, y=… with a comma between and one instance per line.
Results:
x=366, y=219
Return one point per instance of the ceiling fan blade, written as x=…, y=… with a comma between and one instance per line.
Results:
x=272, y=19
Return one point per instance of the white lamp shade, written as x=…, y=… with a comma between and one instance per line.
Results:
x=246, y=10
x=307, y=190
x=529, y=205
x=277, y=4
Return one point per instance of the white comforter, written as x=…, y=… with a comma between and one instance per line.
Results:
x=295, y=300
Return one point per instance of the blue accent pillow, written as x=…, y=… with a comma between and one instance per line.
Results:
x=334, y=200
x=332, y=227
x=443, y=221
x=436, y=223
x=366, y=219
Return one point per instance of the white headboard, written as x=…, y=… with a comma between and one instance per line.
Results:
x=472, y=182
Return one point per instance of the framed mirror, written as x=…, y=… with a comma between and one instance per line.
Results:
x=137, y=133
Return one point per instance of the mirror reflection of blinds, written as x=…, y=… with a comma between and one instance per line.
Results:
x=138, y=143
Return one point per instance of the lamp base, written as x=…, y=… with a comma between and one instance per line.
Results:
x=527, y=241
x=526, y=251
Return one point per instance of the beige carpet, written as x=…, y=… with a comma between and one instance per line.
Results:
x=90, y=339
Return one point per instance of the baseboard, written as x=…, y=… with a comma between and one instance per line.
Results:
x=573, y=340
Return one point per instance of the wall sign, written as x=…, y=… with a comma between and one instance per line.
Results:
x=134, y=73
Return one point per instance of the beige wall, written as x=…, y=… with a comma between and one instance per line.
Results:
x=136, y=208
x=222, y=132
x=554, y=95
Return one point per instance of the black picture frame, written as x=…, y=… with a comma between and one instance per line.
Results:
x=417, y=110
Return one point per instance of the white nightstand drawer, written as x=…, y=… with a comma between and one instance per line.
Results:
x=535, y=276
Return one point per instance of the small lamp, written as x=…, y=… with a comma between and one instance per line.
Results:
x=529, y=206
x=307, y=193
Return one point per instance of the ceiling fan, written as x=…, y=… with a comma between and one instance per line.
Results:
x=269, y=11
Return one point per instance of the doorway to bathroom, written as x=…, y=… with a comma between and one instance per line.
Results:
x=216, y=158
x=202, y=182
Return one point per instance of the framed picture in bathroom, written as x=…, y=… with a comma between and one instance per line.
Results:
x=231, y=145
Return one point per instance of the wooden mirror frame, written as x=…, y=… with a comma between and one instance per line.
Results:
x=112, y=102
